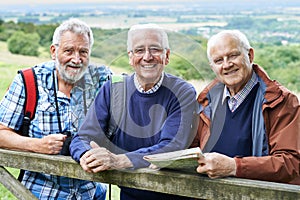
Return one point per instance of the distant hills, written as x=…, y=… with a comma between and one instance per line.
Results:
x=274, y=21
x=217, y=6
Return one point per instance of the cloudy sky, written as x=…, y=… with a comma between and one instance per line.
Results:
x=7, y=4
x=36, y=2
x=14, y=2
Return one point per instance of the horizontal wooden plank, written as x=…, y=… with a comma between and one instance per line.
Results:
x=180, y=183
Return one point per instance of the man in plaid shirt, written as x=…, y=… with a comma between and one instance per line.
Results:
x=67, y=86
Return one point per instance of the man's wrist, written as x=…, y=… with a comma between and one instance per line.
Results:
x=121, y=161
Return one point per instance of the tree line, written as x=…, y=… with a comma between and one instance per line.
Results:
x=188, y=52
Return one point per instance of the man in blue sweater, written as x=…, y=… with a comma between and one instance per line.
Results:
x=156, y=113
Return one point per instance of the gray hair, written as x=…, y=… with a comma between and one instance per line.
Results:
x=75, y=26
x=154, y=27
x=238, y=35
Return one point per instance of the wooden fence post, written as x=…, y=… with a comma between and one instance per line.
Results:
x=14, y=186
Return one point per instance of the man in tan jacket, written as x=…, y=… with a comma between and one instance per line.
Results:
x=249, y=124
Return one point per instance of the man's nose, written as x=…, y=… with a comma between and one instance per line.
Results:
x=76, y=58
x=147, y=55
x=227, y=63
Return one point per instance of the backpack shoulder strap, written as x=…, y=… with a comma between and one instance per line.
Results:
x=31, y=98
x=31, y=94
x=117, y=103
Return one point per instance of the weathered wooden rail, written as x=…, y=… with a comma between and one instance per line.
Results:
x=180, y=183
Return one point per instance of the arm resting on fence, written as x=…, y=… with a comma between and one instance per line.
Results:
x=172, y=182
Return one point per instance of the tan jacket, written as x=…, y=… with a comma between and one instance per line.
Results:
x=280, y=116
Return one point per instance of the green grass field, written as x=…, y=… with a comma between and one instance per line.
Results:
x=7, y=71
x=4, y=193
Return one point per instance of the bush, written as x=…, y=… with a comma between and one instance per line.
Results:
x=24, y=43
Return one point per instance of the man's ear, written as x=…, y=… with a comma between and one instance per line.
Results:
x=251, y=55
x=167, y=59
x=130, y=56
x=53, y=52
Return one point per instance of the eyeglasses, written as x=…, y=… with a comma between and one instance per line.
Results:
x=154, y=51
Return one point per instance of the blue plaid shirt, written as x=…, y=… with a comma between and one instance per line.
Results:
x=71, y=110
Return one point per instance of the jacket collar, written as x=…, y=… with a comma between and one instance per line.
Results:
x=273, y=91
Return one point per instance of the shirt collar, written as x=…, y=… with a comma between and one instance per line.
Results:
x=241, y=95
x=153, y=89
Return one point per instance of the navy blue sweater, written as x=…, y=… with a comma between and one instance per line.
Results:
x=236, y=136
x=153, y=123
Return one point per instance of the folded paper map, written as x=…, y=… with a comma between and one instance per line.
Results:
x=185, y=160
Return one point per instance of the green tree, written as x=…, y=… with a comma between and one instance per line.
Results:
x=26, y=27
x=7, y=29
x=45, y=32
x=281, y=62
x=288, y=76
x=24, y=43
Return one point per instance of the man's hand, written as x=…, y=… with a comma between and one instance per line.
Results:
x=216, y=165
x=100, y=159
x=51, y=144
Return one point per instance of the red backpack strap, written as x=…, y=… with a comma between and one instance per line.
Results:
x=31, y=98
x=31, y=94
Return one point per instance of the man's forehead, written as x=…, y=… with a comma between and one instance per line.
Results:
x=146, y=34
x=225, y=42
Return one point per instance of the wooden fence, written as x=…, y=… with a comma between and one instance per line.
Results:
x=172, y=182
